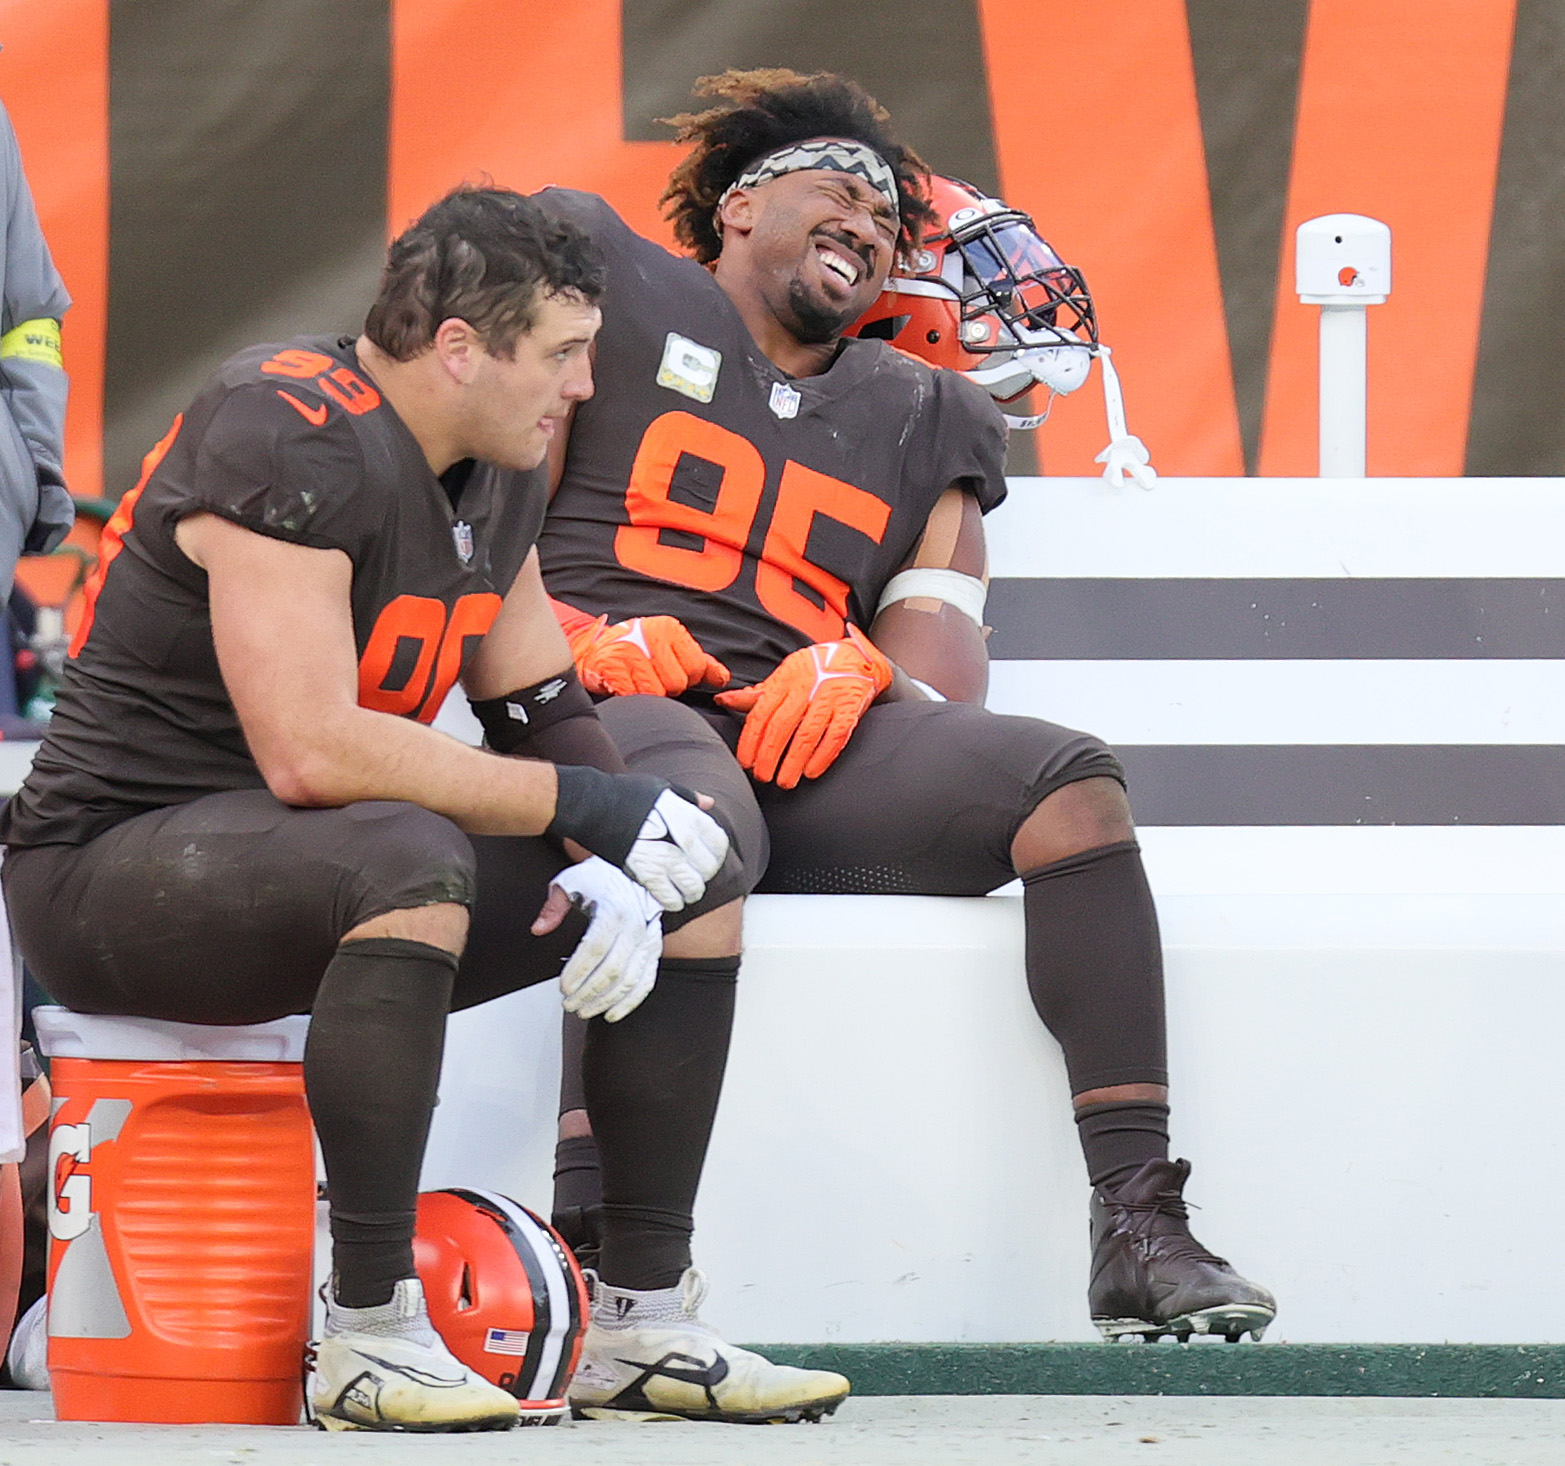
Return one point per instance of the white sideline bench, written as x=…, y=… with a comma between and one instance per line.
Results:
x=1369, y=1090
x=1363, y=1018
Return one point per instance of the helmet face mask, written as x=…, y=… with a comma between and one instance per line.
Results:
x=987, y=296
x=1012, y=278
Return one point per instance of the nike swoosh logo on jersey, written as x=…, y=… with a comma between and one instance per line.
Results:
x=313, y=415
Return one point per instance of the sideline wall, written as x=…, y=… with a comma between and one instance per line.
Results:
x=1364, y=1004
x=1365, y=950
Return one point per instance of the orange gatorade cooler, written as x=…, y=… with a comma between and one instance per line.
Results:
x=181, y=1219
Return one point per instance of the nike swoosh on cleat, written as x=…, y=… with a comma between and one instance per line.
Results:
x=708, y=1376
x=423, y=1377
x=704, y=1376
x=314, y=415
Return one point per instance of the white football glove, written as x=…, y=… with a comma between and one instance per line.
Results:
x=678, y=850
x=616, y=961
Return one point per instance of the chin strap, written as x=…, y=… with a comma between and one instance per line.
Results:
x=1126, y=456
x=1021, y=424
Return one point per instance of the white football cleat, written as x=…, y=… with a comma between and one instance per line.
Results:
x=386, y=1368
x=28, y=1354
x=647, y=1356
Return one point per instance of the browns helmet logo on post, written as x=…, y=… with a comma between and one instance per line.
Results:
x=504, y=1293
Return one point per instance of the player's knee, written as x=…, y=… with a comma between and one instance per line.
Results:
x=722, y=902
x=411, y=860
x=718, y=933
x=1085, y=814
x=443, y=925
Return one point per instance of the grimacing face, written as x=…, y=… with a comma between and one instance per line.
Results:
x=822, y=244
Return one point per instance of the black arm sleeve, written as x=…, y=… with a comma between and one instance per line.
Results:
x=552, y=720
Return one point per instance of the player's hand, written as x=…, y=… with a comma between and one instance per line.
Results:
x=677, y=851
x=661, y=837
x=647, y=654
x=615, y=963
x=800, y=718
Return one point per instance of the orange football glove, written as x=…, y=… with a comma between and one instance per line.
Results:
x=809, y=706
x=647, y=654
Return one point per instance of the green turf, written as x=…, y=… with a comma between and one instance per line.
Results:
x=1496, y=1371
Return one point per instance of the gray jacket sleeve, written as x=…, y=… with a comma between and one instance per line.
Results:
x=32, y=381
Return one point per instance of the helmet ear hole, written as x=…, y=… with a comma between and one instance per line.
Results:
x=504, y=1293
x=887, y=328
x=932, y=337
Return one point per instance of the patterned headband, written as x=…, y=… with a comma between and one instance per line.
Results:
x=839, y=155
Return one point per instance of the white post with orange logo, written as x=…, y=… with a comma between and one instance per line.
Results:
x=1343, y=264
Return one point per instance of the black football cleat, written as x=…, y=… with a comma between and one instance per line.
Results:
x=1150, y=1277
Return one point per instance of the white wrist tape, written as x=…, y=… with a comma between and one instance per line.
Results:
x=966, y=592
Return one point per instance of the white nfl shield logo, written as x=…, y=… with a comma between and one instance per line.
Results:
x=784, y=400
x=462, y=538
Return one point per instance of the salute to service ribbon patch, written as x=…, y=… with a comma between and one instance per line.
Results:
x=689, y=368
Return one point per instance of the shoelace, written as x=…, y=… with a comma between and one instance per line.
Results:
x=1177, y=1244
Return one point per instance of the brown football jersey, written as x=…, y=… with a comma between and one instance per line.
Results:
x=292, y=442
x=764, y=511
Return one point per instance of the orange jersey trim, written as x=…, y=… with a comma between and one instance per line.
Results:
x=113, y=540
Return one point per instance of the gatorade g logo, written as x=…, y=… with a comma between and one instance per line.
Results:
x=70, y=1189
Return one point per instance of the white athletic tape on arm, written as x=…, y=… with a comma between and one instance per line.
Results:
x=932, y=693
x=966, y=592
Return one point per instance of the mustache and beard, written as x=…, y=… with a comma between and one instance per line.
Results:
x=816, y=320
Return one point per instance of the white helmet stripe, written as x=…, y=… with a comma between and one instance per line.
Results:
x=545, y=1381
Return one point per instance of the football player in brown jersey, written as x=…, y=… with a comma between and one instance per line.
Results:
x=767, y=546
x=240, y=812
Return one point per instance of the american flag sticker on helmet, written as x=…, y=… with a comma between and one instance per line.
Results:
x=507, y=1341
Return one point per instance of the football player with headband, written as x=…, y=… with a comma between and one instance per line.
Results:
x=984, y=294
x=766, y=545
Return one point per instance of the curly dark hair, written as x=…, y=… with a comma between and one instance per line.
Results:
x=486, y=256
x=762, y=110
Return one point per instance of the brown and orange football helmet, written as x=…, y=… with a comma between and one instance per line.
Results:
x=504, y=1293
x=985, y=295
